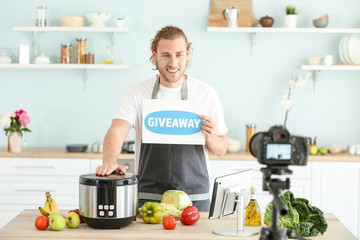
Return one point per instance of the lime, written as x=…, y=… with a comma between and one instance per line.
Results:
x=314, y=150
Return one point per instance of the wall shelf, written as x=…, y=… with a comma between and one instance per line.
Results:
x=255, y=30
x=84, y=67
x=35, y=30
x=70, y=29
x=318, y=68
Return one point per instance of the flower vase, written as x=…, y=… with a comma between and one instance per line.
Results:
x=290, y=20
x=14, y=142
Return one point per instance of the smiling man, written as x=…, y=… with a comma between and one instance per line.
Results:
x=162, y=167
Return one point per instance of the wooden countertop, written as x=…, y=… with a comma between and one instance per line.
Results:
x=22, y=227
x=44, y=152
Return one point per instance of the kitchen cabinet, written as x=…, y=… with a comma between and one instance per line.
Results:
x=24, y=181
x=336, y=189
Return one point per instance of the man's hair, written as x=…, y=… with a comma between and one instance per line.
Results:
x=168, y=32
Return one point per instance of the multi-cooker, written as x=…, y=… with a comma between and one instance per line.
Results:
x=110, y=201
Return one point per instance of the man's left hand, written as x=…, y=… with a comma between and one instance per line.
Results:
x=208, y=128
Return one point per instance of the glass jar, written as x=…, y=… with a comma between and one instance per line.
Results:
x=65, y=56
x=80, y=50
x=250, y=131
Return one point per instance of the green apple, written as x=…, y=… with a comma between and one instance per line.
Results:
x=314, y=150
x=323, y=150
x=72, y=220
x=56, y=222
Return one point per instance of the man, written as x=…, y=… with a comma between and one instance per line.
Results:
x=162, y=167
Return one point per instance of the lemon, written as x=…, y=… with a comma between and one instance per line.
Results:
x=323, y=150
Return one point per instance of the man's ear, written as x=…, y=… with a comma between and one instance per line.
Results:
x=187, y=55
x=153, y=55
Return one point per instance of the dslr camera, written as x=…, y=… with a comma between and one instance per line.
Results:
x=278, y=148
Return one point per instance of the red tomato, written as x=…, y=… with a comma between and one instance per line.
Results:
x=169, y=222
x=42, y=223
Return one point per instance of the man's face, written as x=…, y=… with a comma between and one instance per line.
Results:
x=171, y=59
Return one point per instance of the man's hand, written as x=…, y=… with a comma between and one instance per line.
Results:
x=107, y=169
x=208, y=128
x=215, y=144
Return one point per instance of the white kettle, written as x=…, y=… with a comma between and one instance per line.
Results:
x=232, y=16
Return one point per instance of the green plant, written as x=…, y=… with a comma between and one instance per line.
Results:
x=306, y=220
x=291, y=10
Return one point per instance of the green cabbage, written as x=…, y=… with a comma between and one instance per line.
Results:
x=171, y=210
x=306, y=220
x=177, y=198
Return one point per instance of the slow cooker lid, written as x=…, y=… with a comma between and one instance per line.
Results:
x=114, y=179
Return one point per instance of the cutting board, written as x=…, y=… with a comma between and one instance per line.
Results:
x=245, y=18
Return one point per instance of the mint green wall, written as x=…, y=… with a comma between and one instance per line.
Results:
x=249, y=86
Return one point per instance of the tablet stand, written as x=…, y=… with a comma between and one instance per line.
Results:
x=240, y=230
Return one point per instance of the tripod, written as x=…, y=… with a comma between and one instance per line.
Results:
x=275, y=187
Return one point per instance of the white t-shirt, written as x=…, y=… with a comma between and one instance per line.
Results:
x=130, y=107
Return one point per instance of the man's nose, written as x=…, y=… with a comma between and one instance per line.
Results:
x=172, y=61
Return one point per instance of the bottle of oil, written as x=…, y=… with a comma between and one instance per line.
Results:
x=253, y=212
x=109, y=57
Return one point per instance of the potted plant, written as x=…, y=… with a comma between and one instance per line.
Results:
x=14, y=123
x=291, y=16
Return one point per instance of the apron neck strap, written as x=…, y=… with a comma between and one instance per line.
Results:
x=184, y=88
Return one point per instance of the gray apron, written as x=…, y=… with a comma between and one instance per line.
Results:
x=165, y=167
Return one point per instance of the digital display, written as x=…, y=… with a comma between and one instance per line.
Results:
x=278, y=151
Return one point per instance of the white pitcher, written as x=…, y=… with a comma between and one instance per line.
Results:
x=232, y=16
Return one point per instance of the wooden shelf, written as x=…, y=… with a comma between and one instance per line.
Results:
x=283, y=30
x=64, y=66
x=70, y=29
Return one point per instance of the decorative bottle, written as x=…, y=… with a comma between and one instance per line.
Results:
x=109, y=57
x=253, y=212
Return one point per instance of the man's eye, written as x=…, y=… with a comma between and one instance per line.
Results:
x=179, y=55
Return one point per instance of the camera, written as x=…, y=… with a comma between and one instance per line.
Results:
x=278, y=148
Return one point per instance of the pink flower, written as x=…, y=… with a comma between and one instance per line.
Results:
x=22, y=117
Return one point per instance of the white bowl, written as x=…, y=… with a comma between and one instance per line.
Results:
x=98, y=18
x=314, y=60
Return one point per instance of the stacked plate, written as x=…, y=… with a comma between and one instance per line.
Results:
x=349, y=50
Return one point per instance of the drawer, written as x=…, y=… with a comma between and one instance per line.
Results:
x=44, y=166
x=32, y=189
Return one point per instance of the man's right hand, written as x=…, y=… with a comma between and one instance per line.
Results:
x=107, y=169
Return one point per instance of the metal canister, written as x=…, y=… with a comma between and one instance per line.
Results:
x=80, y=50
x=65, y=56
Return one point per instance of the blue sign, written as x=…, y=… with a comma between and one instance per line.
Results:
x=173, y=122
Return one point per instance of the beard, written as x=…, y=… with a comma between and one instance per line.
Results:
x=168, y=77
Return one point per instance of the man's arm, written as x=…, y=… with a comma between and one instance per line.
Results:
x=215, y=144
x=113, y=142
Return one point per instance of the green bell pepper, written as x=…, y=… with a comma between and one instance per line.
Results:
x=152, y=212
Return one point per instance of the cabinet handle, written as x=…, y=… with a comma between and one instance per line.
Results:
x=34, y=190
x=34, y=166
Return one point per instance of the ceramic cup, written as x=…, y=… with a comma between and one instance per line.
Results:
x=328, y=60
x=120, y=22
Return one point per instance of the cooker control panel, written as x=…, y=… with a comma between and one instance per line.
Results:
x=106, y=199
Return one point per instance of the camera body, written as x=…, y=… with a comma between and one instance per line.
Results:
x=278, y=148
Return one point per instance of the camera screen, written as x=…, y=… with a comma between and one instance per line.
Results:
x=278, y=151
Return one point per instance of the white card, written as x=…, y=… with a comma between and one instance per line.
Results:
x=173, y=122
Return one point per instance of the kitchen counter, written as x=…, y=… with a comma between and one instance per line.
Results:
x=22, y=227
x=242, y=155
